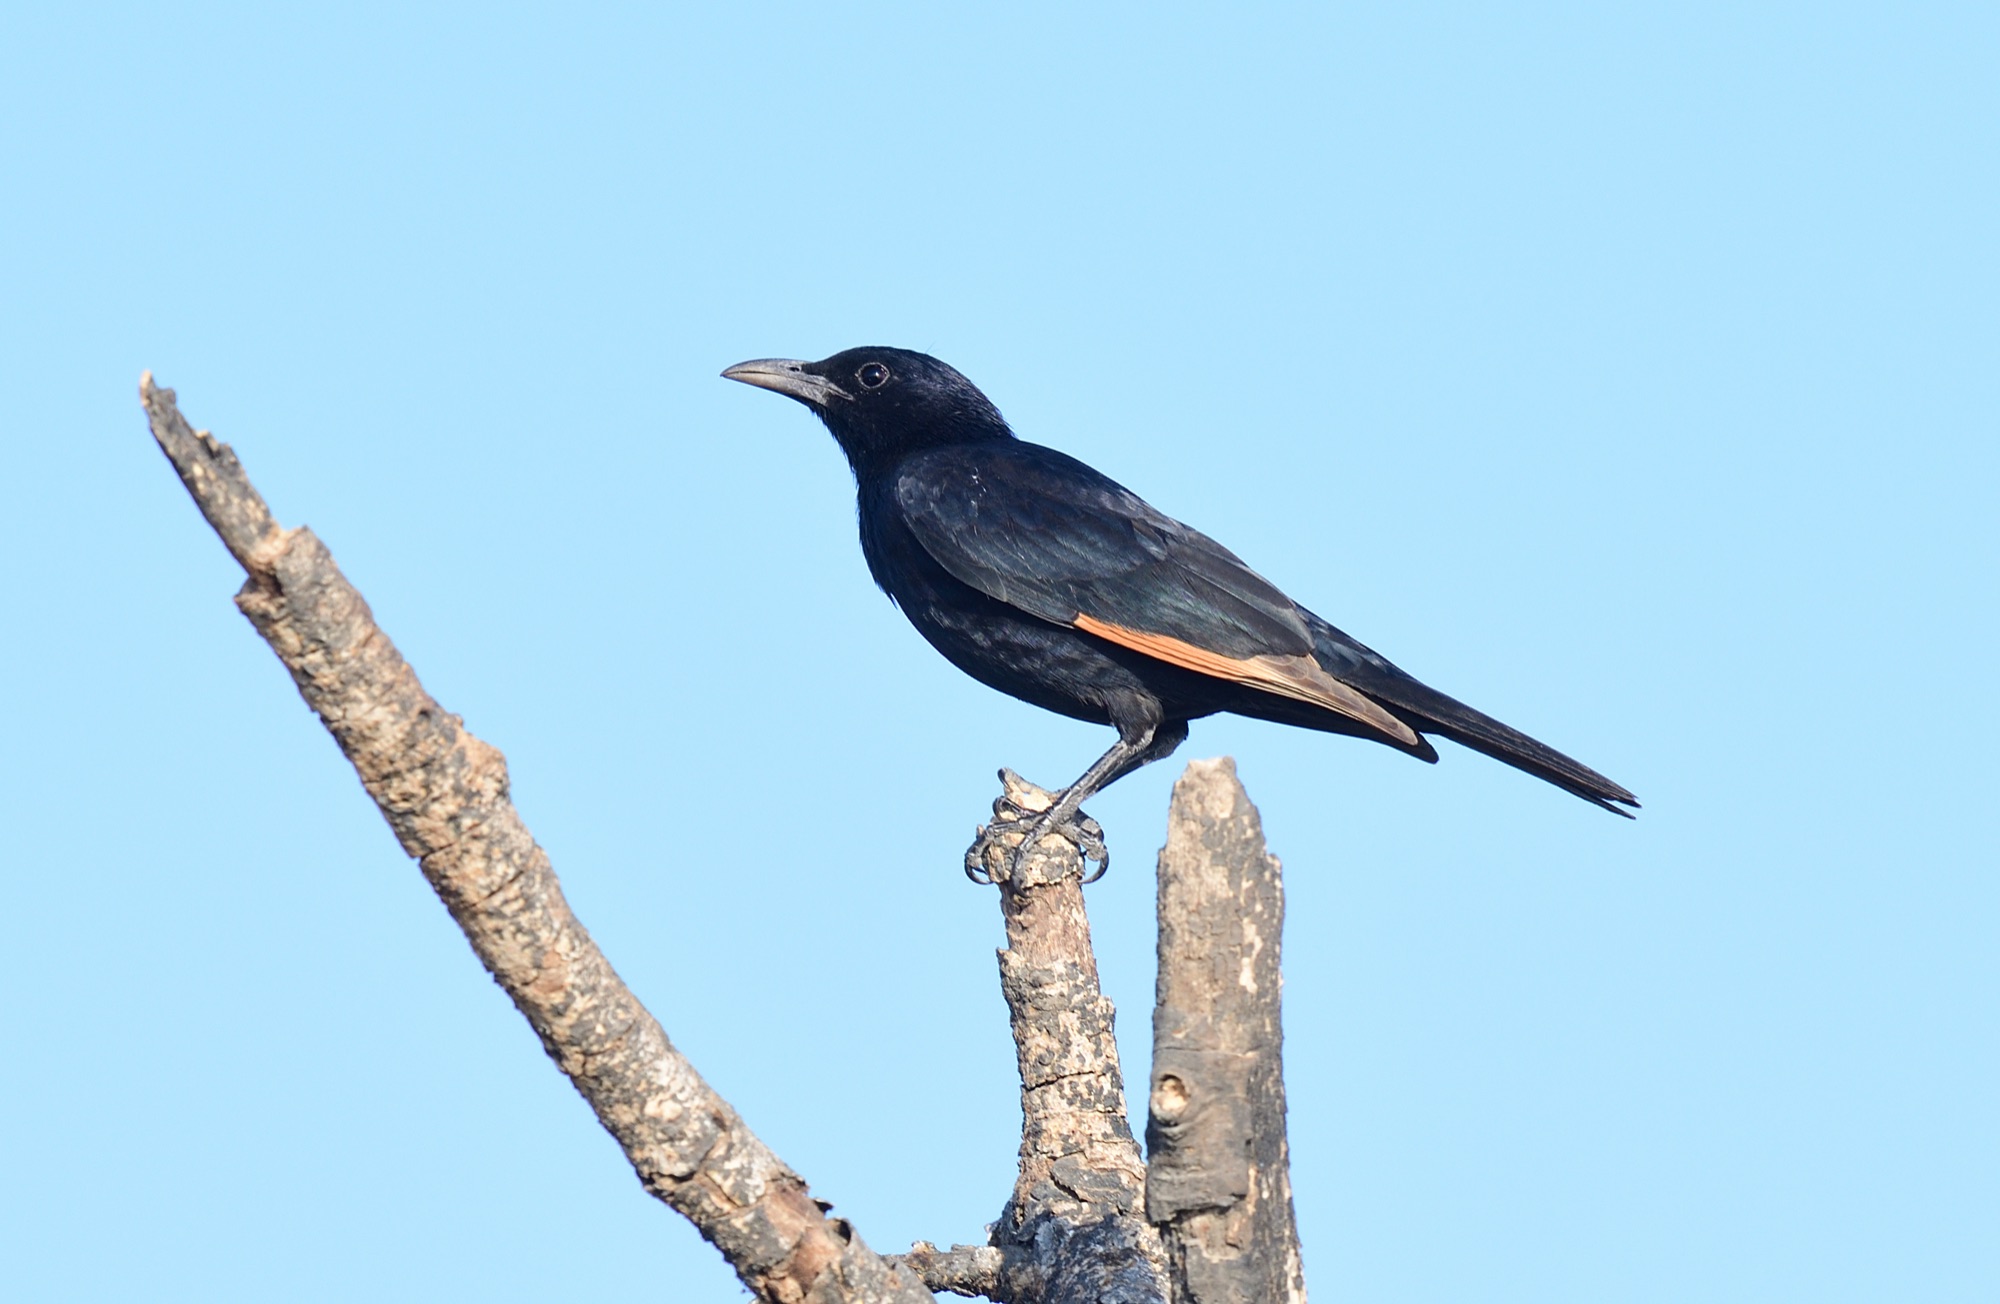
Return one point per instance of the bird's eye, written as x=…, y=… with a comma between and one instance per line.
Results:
x=872, y=375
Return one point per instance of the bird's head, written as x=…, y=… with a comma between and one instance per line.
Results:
x=882, y=403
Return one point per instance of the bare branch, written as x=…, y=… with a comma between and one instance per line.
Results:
x=975, y=1270
x=1219, y=1181
x=445, y=794
x=214, y=479
x=1075, y=1213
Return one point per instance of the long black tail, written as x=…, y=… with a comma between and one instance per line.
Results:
x=1425, y=709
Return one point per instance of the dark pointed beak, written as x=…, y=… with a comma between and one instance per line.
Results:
x=788, y=377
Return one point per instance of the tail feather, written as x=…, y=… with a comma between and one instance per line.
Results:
x=1427, y=710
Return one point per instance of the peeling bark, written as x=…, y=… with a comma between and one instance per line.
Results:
x=445, y=794
x=1218, y=1184
x=1075, y=1218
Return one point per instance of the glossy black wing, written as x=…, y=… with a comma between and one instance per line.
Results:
x=1041, y=531
x=1352, y=662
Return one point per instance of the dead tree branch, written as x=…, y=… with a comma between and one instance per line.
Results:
x=980, y=1271
x=444, y=793
x=1076, y=1219
x=1219, y=1181
x=1089, y=1222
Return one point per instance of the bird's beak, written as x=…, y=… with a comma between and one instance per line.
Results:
x=788, y=377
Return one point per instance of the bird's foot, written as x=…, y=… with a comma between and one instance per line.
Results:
x=1024, y=817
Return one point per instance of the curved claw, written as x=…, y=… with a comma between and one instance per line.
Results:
x=1095, y=850
x=975, y=856
x=1083, y=832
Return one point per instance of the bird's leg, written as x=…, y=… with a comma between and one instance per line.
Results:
x=1065, y=815
x=1125, y=756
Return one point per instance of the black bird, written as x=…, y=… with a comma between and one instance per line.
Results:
x=1042, y=578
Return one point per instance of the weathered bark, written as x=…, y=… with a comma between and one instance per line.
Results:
x=444, y=793
x=1218, y=1183
x=974, y=1270
x=1074, y=1229
x=1079, y=1225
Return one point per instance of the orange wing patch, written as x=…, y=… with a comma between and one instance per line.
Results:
x=1300, y=678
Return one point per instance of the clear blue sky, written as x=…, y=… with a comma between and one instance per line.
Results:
x=1629, y=371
